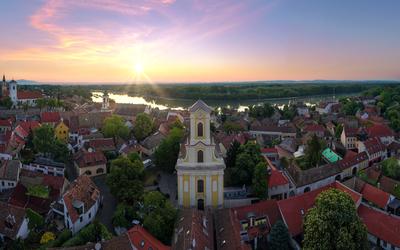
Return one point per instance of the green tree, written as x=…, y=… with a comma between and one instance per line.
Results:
x=125, y=180
x=279, y=237
x=351, y=107
x=259, y=184
x=43, y=138
x=59, y=151
x=313, y=152
x=114, y=126
x=160, y=216
x=123, y=216
x=231, y=127
x=338, y=130
x=41, y=103
x=391, y=168
x=333, y=223
x=134, y=157
x=231, y=154
x=6, y=102
x=248, y=157
x=166, y=154
x=143, y=126
x=36, y=221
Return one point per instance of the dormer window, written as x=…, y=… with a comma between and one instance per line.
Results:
x=200, y=129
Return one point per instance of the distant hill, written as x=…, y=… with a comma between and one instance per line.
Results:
x=27, y=82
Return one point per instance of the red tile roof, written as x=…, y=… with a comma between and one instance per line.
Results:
x=379, y=130
x=84, y=190
x=5, y=122
x=50, y=117
x=381, y=225
x=314, y=128
x=84, y=158
x=294, y=208
x=269, y=150
x=141, y=239
x=103, y=144
x=374, y=145
x=13, y=215
x=352, y=160
x=29, y=125
x=22, y=94
x=350, y=132
x=277, y=178
x=375, y=195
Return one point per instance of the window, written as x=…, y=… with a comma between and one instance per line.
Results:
x=90, y=215
x=142, y=243
x=307, y=189
x=88, y=172
x=99, y=171
x=81, y=219
x=186, y=187
x=200, y=186
x=200, y=129
x=200, y=156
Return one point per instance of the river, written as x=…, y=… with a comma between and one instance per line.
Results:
x=180, y=104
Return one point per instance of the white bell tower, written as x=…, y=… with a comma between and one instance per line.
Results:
x=13, y=88
x=106, y=102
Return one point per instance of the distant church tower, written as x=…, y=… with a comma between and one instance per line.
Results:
x=3, y=86
x=200, y=167
x=106, y=102
x=13, y=91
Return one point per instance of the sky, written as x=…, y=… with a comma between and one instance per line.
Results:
x=157, y=41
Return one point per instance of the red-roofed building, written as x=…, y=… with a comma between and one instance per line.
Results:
x=349, y=137
x=50, y=118
x=383, y=229
x=141, y=239
x=375, y=149
x=90, y=162
x=271, y=154
x=381, y=131
x=278, y=183
x=294, y=208
x=376, y=196
x=102, y=144
x=80, y=202
x=5, y=125
x=19, y=97
x=316, y=129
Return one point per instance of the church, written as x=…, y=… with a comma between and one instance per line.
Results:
x=200, y=166
x=18, y=97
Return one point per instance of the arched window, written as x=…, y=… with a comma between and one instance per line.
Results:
x=200, y=156
x=307, y=189
x=99, y=171
x=88, y=172
x=200, y=186
x=200, y=129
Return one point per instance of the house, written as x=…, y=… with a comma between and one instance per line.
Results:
x=302, y=109
x=50, y=118
x=149, y=145
x=294, y=208
x=13, y=222
x=194, y=230
x=353, y=163
x=377, y=197
x=225, y=141
x=375, y=149
x=90, y=162
x=278, y=185
x=381, y=131
x=315, y=129
x=101, y=144
x=80, y=203
x=46, y=166
x=324, y=107
x=278, y=132
x=349, y=137
x=383, y=228
x=9, y=174
x=5, y=125
x=271, y=154
x=140, y=238
x=37, y=191
x=61, y=131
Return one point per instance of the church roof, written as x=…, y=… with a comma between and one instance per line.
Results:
x=200, y=105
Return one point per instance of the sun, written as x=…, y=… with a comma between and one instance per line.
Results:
x=138, y=68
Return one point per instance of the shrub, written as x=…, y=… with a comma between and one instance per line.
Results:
x=47, y=237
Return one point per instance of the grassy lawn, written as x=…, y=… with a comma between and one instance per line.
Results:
x=38, y=191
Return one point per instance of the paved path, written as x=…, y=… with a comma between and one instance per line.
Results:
x=168, y=185
x=104, y=215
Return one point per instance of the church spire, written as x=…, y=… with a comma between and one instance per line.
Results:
x=4, y=78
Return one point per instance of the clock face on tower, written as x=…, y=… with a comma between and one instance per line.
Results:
x=200, y=167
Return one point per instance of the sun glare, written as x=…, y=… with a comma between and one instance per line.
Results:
x=138, y=68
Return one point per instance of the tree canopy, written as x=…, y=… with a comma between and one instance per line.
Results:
x=259, y=183
x=249, y=155
x=125, y=179
x=279, y=237
x=45, y=142
x=114, y=126
x=167, y=152
x=264, y=111
x=333, y=223
x=391, y=168
x=143, y=126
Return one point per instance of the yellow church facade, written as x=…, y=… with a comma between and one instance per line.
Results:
x=200, y=166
